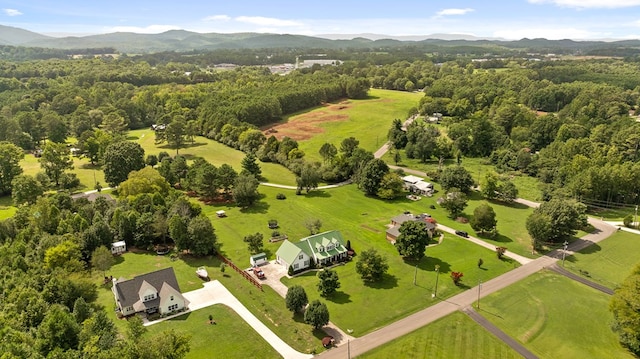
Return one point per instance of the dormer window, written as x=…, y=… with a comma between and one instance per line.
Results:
x=321, y=249
x=149, y=297
x=329, y=247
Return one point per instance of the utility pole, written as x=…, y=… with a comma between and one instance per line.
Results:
x=635, y=221
x=435, y=291
x=564, y=252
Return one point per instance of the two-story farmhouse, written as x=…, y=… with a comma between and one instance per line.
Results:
x=321, y=249
x=149, y=293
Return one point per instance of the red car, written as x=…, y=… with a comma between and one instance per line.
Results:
x=258, y=272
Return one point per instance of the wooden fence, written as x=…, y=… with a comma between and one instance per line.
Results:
x=247, y=276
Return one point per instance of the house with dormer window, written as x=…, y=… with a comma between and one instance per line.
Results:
x=155, y=292
x=321, y=249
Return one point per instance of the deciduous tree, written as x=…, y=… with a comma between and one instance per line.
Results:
x=391, y=186
x=102, y=259
x=296, y=298
x=372, y=175
x=484, y=219
x=456, y=177
x=10, y=157
x=254, y=242
x=328, y=282
x=146, y=180
x=413, y=239
x=371, y=266
x=316, y=314
x=120, y=158
x=55, y=160
x=624, y=305
x=202, y=236
x=454, y=202
x=564, y=218
x=245, y=190
x=26, y=189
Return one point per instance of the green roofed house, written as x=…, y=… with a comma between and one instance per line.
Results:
x=322, y=249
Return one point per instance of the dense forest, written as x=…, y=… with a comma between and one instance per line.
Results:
x=571, y=124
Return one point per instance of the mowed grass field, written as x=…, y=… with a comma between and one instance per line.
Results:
x=87, y=173
x=455, y=336
x=607, y=262
x=367, y=120
x=555, y=317
x=363, y=221
x=230, y=337
x=268, y=306
x=214, y=152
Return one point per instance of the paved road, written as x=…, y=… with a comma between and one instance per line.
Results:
x=499, y=333
x=465, y=299
x=556, y=268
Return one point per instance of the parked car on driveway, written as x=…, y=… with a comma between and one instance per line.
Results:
x=462, y=234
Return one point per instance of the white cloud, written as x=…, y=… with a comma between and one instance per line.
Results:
x=12, y=12
x=448, y=12
x=217, y=18
x=592, y=4
x=267, y=21
x=151, y=29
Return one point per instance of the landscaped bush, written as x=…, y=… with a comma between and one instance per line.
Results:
x=456, y=277
x=281, y=196
x=628, y=221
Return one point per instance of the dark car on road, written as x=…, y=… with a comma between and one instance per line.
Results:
x=462, y=234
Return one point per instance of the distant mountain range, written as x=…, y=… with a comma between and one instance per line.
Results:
x=181, y=40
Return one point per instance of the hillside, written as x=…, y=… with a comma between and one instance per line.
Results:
x=182, y=41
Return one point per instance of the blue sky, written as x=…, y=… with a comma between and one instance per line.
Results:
x=510, y=19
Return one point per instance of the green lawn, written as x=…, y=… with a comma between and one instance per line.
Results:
x=87, y=173
x=230, y=337
x=6, y=207
x=608, y=262
x=455, y=336
x=214, y=152
x=363, y=221
x=367, y=120
x=268, y=306
x=555, y=317
x=365, y=308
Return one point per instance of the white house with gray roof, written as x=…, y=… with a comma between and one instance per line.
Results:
x=149, y=293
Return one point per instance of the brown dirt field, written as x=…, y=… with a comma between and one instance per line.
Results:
x=304, y=126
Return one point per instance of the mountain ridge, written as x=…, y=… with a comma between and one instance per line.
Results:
x=184, y=40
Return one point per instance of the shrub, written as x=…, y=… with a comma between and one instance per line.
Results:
x=628, y=221
x=500, y=251
x=281, y=196
x=456, y=277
